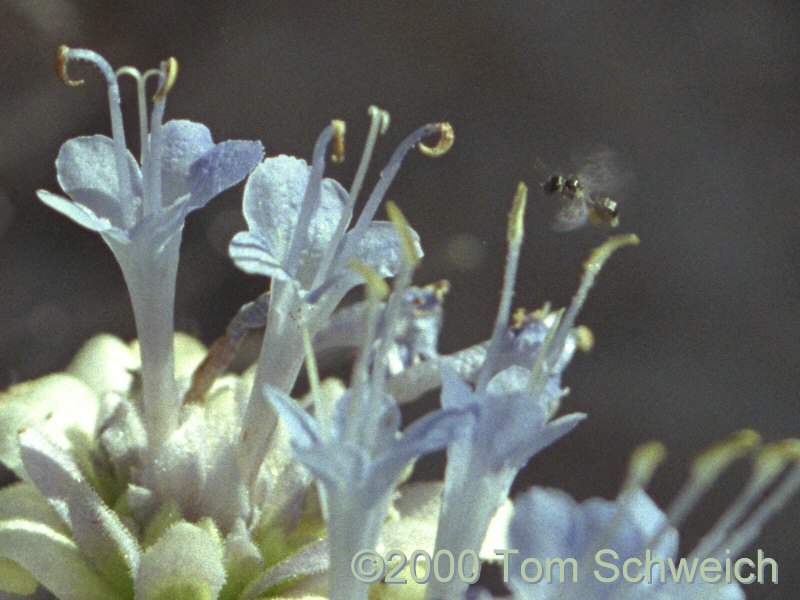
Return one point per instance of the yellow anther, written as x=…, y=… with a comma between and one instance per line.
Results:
x=601, y=254
x=774, y=457
x=338, y=140
x=446, y=138
x=62, y=58
x=790, y=449
x=715, y=459
x=584, y=338
x=440, y=288
x=519, y=317
x=541, y=314
x=404, y=232
x=516, y=216
x=643, y=464
x=376, y=287
x=170, y=67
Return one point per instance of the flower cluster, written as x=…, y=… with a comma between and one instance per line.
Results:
x=148, y=472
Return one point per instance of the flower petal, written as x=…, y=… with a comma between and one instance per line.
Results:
x=273, y=198
x=301, y=427
x=186, y=563
x=340, y=466
x=427, y=434
x=183, y=143
x=432, y=432
x=80, y=213
x=379, y=248
x=252, y=254
x=221, y=167
x=87, y=172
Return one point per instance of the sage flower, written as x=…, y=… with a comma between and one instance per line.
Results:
x=146, y=471
x=139, y=208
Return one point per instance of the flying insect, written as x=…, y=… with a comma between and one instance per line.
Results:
x=583, y=197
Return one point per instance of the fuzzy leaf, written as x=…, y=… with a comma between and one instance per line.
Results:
x=54, y=560
x=184, y=564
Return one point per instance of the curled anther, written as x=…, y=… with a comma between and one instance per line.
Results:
x=339, y=128
x=446, y=138
x=62, y=58
x=170, y=67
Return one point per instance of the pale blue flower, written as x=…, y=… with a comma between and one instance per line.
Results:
x=416, y=330
x=273, y=200
x=357, y=454
x=180, y=168
x=587, y=545
x=139, y=208
x=147, y=473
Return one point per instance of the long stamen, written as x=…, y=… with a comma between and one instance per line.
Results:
x=392, y=167
x=442, y=147
x=310, y=200
x=66, y=54
x=769, y=464
x=516, y=227
x=642, y=465
x=170, y=69
x=705, y=470
x=551, y=350
x=379, y=124
x=751, y=528
x=167, y=75
x=142, y=109
x=339, y=128
x=376, y=290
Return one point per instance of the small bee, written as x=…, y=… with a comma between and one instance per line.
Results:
x=581, y=199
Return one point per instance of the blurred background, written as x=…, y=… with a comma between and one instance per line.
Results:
x=697, y=329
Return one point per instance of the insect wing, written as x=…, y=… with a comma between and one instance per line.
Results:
x=600, y=171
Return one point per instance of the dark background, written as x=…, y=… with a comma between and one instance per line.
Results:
x=697, y=329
